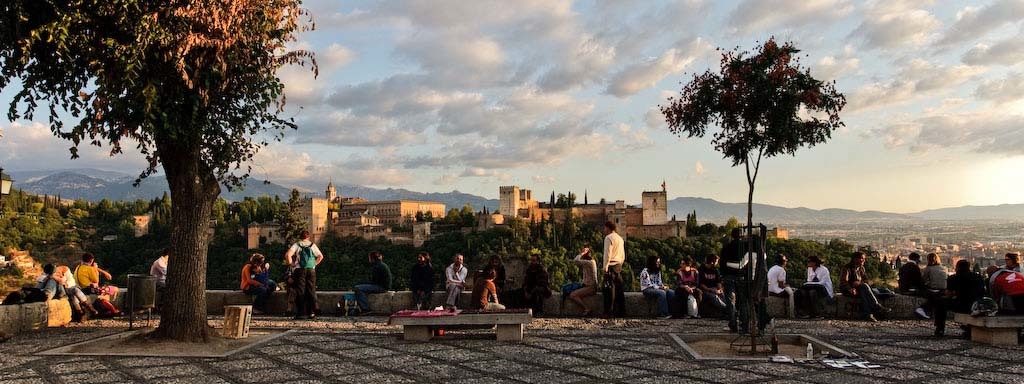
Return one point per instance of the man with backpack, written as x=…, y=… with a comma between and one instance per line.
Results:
x=304, y=256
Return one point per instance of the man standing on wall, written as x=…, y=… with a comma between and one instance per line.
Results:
x=614, y=256
x=305, y=256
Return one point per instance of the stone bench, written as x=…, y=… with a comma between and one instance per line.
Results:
x=509, y=325
x=29, y=317
x=994, y=330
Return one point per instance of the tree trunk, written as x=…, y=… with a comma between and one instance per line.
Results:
x=193, y=192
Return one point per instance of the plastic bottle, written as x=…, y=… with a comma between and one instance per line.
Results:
x=810, y=351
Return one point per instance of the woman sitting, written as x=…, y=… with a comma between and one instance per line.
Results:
x=688, y=285
x=483, y=289
x=421, y=281
x=256, y=281
x=654, y=287
x=79, y=301
x=589, y=270
x=817, y=288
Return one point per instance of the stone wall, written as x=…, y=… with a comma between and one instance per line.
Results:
x=29, y=317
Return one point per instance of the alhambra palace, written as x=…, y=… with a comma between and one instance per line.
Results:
x=395, y=220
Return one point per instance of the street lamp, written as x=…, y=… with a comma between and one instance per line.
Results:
x=5, y=185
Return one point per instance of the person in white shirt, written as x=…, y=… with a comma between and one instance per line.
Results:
x=159, y=269
x=653, y=287
x=817, y=288
x=614, y=256
x=777, y=283
x=455, y=281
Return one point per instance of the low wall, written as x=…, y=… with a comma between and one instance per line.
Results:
x=29, y=317
x=636, y=304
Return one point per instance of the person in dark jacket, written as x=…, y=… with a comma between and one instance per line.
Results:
x=380, y=281
x=536, y=286
x=421, y=283
x=910, y=278
x=963, y=288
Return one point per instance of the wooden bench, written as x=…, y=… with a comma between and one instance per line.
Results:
x=509, y=323
x=994, y=330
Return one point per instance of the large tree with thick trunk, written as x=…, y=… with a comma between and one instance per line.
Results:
x=764, y=104
x=191, y=84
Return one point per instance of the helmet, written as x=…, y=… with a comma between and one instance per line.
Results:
x=985, y=306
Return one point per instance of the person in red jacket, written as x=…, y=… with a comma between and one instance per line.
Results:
x=1007, y=288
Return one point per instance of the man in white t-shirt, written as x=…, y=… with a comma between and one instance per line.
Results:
x=614, y=257
x=455, y=281
x=777, y=283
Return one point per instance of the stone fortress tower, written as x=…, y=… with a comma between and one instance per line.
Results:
x=331, y=194
x=511, y=199
x=655, y=206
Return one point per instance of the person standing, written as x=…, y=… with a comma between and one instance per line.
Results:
x=305, y=256
x=536, y=285
x=614, y=257
x=421, y=283
x=455, y=281
x=588, y=268
x=159, y=269
x=731, y=268
x=380, y=281
x=853, y=281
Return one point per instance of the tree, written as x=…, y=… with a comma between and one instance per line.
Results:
x=764, y=104
x=192, y=85
x=291, y=222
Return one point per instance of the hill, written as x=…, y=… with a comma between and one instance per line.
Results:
x=74, y=185
x=715, y=211
x=973, y=212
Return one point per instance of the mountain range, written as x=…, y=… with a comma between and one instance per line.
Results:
x=94, y=185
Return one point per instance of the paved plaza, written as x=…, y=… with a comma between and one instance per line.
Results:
x=366, y=350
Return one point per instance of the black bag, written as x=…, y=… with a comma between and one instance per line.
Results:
x=14, y=298
x=33, y=295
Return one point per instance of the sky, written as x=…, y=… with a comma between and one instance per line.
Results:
x=441, y=95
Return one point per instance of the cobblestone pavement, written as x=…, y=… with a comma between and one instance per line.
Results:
x=555, y=351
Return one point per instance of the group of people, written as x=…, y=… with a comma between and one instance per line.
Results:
x=960, y=291
x=61, y=282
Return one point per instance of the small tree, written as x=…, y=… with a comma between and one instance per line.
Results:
x=191, y=84
x=764, y=104
x=289, y=219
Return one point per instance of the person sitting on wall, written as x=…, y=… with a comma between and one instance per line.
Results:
x=687, y=286
x=87, y=276
x=380, y=281
x=1007, y=288
x=159, y=269
x=79, y=301
x=484, y=290
x=910, y=279
x=934, y=285
x=536, y=286
x=588, y=268
x=962, y=289
x=50, y=286
x=455, y=281
x=710, y=283
x=421, y=283
x=256, y=282
x=817, y=289
x=653, y=287
x=853, y=282
x=777, y=285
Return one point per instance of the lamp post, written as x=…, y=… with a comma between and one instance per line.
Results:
x=5, y=186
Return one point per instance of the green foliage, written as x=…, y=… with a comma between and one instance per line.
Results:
x=290, y=220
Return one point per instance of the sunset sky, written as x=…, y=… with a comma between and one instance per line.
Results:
x=438, y=95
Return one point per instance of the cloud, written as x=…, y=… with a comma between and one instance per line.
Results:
x=889, y=24
x=481, y=172
x=365, y=171
x=345, y=129
x=646, y=74
x=1002, y=90
x=633, y=139
x=30, y=145
x=282, y=163
x=754, y=15
x=833, y=67
x=584, y=63
x=917, y=78
x=1009, y=51
x=972, y=22
x=543, y=179
x=698, y=168
x=334, y=57
x=446, y=179
x=985, y=131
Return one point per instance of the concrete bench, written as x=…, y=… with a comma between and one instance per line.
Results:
x=994, y=330
x=509, y=325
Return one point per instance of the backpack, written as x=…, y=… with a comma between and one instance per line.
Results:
x=307, y=259
x=33, y=295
